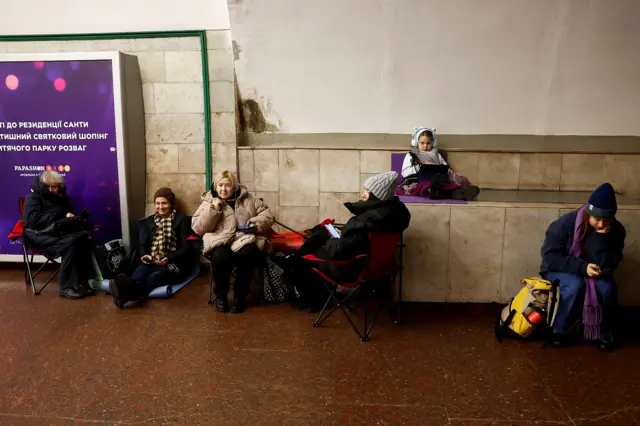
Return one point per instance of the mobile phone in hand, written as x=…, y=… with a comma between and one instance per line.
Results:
x=604, y=271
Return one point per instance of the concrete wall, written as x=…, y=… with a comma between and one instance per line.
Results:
x=305, y=186
x=559, y=67
x=73, y=16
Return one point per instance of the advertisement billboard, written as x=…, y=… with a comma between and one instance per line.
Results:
x=61, y=115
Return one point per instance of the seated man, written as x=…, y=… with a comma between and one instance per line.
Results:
x=164, y=250
x=379, y=211
x=46, y=204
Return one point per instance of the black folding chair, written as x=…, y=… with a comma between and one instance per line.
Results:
x=28, y=255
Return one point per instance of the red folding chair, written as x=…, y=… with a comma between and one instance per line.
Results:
x=28, y=253
x=380, y=267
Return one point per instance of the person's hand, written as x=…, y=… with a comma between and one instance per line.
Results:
x=164, y=261
x=593, y=270
x=146, y=259
x=217, y=204
x=70, y=215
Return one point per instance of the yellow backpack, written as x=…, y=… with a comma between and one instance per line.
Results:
x=533, y=307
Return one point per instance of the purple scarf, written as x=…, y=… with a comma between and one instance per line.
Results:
x=591, y=312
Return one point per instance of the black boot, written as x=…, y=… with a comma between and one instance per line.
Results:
x=87, y=290
x=468, y=193
x=121, y=289
x=606, y=343
x=71, y=293
x=238, y=305
x=558, y=340
x=436, y=191
x=222, y=304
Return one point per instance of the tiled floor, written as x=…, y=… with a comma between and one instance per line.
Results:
x=178, y=362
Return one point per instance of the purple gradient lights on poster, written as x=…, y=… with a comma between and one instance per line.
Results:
x=42, y=106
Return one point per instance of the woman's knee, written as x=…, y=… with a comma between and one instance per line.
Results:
x=221, y=255
x=605, y=288
x=141, y=273
x=249, y=254
x=158, y=279
x=570, y=283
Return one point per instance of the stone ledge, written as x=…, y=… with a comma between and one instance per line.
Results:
x=451, y=143
x=535, y=199
x=479, y=252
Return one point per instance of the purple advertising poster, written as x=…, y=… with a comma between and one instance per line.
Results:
x=59, y=115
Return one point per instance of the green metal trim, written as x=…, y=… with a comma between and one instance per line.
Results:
x=101, y=36
x=201, y=34
x=207, y=107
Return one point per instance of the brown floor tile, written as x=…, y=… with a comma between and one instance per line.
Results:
x=178, y=362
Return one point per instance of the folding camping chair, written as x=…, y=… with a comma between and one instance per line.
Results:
x=379, y=266
x=28, y=254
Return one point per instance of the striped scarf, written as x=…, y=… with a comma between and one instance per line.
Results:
x=164, y=240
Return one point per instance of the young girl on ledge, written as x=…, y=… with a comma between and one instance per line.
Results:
x=426, y=173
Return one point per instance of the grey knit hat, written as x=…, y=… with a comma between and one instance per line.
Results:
x=383, y=186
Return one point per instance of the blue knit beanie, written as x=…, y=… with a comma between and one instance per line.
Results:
x=602, y=203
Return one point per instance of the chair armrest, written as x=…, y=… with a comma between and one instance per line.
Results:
x=313, y=258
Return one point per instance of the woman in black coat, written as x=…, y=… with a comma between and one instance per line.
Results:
x=379, y=211
x=165, y=252
x=47, y=203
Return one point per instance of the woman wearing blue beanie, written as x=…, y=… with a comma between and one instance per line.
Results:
x=581, y=250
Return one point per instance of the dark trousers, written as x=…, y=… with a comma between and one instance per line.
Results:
x=76, y=251
x=149, y=277
x=223, y=259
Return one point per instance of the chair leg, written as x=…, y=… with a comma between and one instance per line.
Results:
x=364, y=290
x=344, y=304
x=369, y=327
x=400, y=270
x=27, y=268
x=211, y=299
x=50, y=278
x=340, y=304
x=321, y=317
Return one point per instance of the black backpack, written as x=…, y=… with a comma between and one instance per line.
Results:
x=112, y=258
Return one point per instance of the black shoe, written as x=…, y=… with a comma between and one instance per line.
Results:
x=238, y=306
x=87, y=290
x=120, y=289
x=606, y=344
x=71, y=293
x=435, y=187
x=468, y=193
x=296, y=304
x=312, y=309
x=558, y=340
x=222, y=304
